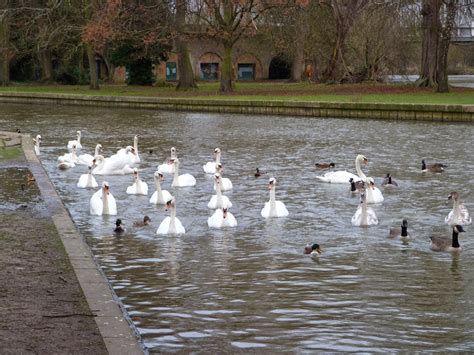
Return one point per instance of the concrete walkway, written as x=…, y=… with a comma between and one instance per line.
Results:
x=55, y=298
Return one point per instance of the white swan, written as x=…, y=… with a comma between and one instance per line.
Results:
x=226, y=184
x=364, y=215
x=342, y=176
x=76, y=142
x=37, y=142
x=218, y=200
x=210, y=166
x=87, y=180
x=134, y=157
x=459, y=214
x=68, y=160
x=171, y=224
x=181, y=180
x=139, y=187
x=168, y=167
x=221, y=218
x=159, y=196
x=109, y=166
x=373, y=194
x=273, y=208
x=102, y=202
x=86, y=159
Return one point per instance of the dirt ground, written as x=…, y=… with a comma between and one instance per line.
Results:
x=42, y=305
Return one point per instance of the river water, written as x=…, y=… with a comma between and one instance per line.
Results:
x=250, y=288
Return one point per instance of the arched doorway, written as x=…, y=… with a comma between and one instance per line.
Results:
x=280, y=68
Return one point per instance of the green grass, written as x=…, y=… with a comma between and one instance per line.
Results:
x=274, y=91
x=10, y=153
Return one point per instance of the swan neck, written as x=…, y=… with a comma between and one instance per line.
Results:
x=363, y=214
x=105, y=203
x=176, y=174
x=158, y=190
x=218, y=158
x=359, y=170
x=172, y=228
x=135, y=145
x=96, y=153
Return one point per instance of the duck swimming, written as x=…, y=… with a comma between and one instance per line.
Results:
x=313, y=250
x=258, y=172
x=447, y=244
x=146, y=221
x=389, y=181
x=459, y=214
x=356, y=186
x=325, y=165
x=401, y=233
x=119, y=228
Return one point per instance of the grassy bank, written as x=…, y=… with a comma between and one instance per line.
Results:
x=272, y=91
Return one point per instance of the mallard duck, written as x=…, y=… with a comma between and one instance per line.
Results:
x=146, y=221
x=314, y=249
x=401, y=233
x=434, y=168
x=259, y=173
x=388, y=181
x=325, y=165
x=459, y=214
x=119, y=226
x=447, y=244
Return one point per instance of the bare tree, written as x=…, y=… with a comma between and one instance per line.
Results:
x=186, y=77
x=5, y=47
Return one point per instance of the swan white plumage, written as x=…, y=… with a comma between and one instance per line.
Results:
x=364, y=215
x=87, y=180
x=76, y=142
x=138, y=187
x=87, y=159
x=210, y=166
x=221, y=218
x=109, y=166
x=181, y=180
x=167, y=167
x=226, y=184
x=68, y=160
x=459, y=215
x=160, y=196
x=373, y=194
x=342, y=176
x=133, y=156
x=273, y=208
x=37, y=142
x=102, y=202
x=171, y=224
x=218, y=200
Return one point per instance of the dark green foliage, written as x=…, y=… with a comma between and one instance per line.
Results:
x=70, y=75
x=23, y=69
x=140, y=72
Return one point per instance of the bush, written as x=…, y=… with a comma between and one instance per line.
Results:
x=69, y=75
x=140, y=72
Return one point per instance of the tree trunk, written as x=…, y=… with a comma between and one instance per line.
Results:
x=297, y=67
x=4, y=50
x=332, y=71
x=94, y=79
x=46, y=63
x=226, y=70
x=430, y=27
x=444, y=42
x=185, y=70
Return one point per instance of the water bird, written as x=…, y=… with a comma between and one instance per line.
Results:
x=183, y=180
x=273, y=208
x=139, y=224
x=221, y=218
x=259, y=173
x=168, y=167
x=401, y=232
x=114, y=165
x=356, y=186
x=87, y=180
x=389, y=181
x=434, y=168
x=119, y=228
x=159, y=196
x=103, y=202
x=138, y=187
x=364, y=215
x=447, y=244
x=342, y=176
x=68, y=160
x=37, y=141
x=171, y=224
x=218, y=200
x=313, y=250
x=459, y=214
x=210, y=166
x=87, y=159
x=226, y=184
x=133, y=155
x=373, y=193
x=325, y=165
x=76, y=142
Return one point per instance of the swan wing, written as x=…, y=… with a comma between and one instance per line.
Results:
x=338, y=177
x=209, y=167
x=281, y=209
x=164, y=226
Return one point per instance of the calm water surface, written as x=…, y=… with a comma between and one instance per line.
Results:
x=251, y=288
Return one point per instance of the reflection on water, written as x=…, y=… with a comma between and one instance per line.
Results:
x=251, y=288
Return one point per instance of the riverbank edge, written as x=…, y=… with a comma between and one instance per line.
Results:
x=415, y=112
x=116, y=328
